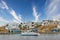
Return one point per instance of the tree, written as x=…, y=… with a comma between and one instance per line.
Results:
x=7, y=25
x=20, y=26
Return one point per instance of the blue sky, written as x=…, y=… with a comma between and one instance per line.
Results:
x=28, y=10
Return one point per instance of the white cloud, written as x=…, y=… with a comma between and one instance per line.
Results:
x=15, y=21
x=20, y=18
x=3, y=5
x=35, y=14
x=52, y=10
x=3, y=21
x=13, y=13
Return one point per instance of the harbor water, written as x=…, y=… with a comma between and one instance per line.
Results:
x=40, y=37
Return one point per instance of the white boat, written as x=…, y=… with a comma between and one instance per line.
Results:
x=30, y=34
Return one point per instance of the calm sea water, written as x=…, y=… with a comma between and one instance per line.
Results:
x=41, y=37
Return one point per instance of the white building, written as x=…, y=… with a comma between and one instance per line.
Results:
x=13, y=26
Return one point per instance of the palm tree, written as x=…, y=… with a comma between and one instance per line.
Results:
x=20, y=26
x=7, y=25
x=24, y=28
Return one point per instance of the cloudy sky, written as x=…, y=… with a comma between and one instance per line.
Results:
x=28, y=10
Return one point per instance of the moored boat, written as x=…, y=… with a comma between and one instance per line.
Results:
x=29, y=34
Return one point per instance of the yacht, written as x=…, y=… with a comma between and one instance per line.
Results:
x=29, y=34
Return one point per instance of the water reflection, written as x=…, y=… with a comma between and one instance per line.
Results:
x=41, y=37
